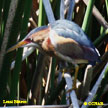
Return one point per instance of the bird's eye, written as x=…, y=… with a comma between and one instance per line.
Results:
x=29, y=39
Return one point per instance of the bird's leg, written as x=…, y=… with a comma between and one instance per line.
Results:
x=75, y=78
x=70, y=61
x=64, y=71
x=63, y=67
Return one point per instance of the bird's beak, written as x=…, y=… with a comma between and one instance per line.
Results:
x=20, y=44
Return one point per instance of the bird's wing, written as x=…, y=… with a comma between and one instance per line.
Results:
x=71, y=48
x=68, y=29
x=71, y=30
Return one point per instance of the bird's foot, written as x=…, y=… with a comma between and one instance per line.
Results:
x=73, y=88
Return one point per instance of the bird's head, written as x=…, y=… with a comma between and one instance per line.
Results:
x=33, y=39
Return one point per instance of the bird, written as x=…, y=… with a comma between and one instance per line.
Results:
x=64, y=40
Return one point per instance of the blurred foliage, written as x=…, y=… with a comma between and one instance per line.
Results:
x=30, y=76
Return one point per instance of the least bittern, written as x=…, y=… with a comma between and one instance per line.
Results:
x=63, y=39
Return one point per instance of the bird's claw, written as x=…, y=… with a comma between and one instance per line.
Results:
x=73, y=88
